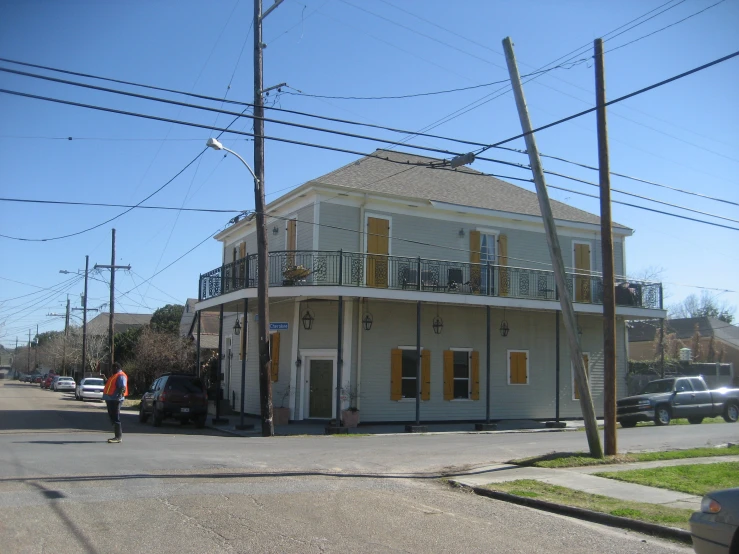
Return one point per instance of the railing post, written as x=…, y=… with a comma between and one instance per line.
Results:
x=661, y=299
x=246, y=271
x=200, y=288
x=341, y=265
x=489, y=281
x=418, y=274
x=223, y=276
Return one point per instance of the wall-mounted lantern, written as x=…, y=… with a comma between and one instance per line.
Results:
x=308, y=319
x=504, y=328
x=367, y=321
x=237, y=326
x=438, y=325
x=275, y=230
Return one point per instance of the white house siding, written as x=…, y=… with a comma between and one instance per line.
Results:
x=439, y=239
x=464, y=327
x=305, y=227
x=340, y=228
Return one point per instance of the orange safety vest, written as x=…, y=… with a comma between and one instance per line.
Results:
x=109, y=389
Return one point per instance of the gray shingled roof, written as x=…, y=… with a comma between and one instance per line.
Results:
x=122, y=322
x=684, y=328
x=465, y=186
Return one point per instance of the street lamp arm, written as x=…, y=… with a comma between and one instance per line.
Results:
x=243, y=161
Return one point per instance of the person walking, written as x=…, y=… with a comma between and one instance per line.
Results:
x=115, y=391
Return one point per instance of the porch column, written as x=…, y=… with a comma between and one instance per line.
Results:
x=487, y=360
x=418, y=362
x=218, y=419
x=556, y=371
x=197, y=345
x=339, y=361
x=244, y=334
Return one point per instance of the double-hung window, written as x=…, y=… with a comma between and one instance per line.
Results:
x=461, y=374
x=403, y=373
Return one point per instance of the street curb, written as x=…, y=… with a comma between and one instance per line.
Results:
x=582, y=513
x=406, y=434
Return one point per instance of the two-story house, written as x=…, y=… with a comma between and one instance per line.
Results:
x=393, y=240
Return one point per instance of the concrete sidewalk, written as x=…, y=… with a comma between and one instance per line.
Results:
x=318, y=428
x=580, y=479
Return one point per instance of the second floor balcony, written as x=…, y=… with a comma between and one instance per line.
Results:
x=358, y=269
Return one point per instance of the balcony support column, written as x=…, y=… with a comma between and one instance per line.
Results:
x=339, y=361
x=197, y=345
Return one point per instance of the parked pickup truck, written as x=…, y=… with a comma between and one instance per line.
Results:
x=679, y=397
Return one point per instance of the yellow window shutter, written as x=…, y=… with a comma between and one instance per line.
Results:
x=396, y=374
x=274, y=340
x=242, y=250
x=448, y=375
x=523, y=368
x=475, y=374
x=425, y=375
x=518, y=368
x=503, y=277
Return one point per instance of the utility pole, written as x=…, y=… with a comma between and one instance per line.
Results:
x=66, y=335
x=662, y=347
x=606, y=241
x=84, y=318
x=28, y=366
x=555, y=252
x=265, y=379
x=111, y=318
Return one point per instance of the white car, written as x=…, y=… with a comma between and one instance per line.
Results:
x=90, y=388
x=64, y=383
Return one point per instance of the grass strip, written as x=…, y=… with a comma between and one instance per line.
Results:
x=697, y=479
x=579, y=459
x=681, y=421
x=639, y=511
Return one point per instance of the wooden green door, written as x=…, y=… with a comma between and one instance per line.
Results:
x=321, y=387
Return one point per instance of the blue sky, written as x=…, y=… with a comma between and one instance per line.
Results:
x=683, y=134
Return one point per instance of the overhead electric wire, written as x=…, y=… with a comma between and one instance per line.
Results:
x=616, y=100
x=107, y=205
x=663, y=28
x=352, y=135
x=429, y=164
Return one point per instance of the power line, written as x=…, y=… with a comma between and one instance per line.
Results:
x=106, y=205
x=616, y=100
x=665, y=27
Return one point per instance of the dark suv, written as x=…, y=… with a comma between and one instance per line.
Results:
x=178, y=396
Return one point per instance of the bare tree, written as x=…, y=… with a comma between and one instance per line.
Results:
x=157, y=353
x=707, y=305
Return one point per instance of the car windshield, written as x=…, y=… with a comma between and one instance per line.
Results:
x=659, y=386
x=184, y=384
x=93, y=381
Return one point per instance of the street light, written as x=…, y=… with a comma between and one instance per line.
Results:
x=265, y=381
x=216, y=145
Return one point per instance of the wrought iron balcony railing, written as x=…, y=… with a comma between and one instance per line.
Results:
x=357, y=269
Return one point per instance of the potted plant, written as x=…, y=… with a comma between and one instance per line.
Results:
x=281, y=414
x=350, y=416
x=295, y=273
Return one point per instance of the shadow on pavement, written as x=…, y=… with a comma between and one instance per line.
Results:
x=90, y=418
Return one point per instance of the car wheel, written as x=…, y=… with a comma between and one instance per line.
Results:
x=695, y=420
x=200, y=421
x=628, y=424
x=143, y=416
x=156, y=417
x=731, y=413
x=662, y=415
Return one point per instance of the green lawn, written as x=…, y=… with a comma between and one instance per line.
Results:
x=682, y=422
x=697, y=479
x=577, y=459
x=651, y=513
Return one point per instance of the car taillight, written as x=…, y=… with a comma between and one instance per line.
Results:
x=163, y=397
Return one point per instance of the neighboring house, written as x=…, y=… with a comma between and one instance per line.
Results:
x=122, y=322
x=208, y=329
x=642, y=343
x=381, y=239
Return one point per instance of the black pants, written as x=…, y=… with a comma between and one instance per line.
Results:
x=114, y=411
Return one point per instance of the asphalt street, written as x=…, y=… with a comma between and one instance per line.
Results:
x=63, y=488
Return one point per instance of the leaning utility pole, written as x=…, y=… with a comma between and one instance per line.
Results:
x=265, y=379
x=555, y=252
x=606, y=241
x=111, y=328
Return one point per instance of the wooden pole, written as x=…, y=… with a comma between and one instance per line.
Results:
x=555, y=252
x=111, y=324
x=606, y=241
x=265, y=379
